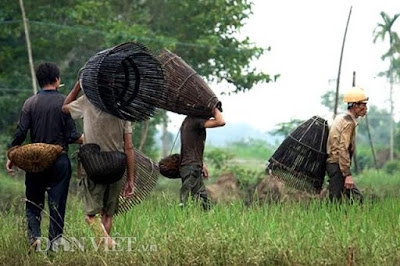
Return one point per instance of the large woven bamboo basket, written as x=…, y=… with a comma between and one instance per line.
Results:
x=169, y=166
x=103, y=167
x=126, y=81
x=187, y=93
x=146, y=177
x=34, y=157
x=300, y=161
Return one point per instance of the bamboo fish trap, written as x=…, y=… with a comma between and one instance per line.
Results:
x=169, y=166
x=146, y=176
x=34, y=157
x=300, y=161
x=187, y=93
x=126, y=81
x=103, y=167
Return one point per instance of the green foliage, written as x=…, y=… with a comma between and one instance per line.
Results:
x=328, y=100
x=12, y=191
x=139, y=129
x=285, y=128
x=69, y=32
x=218, y=157
x=247, y=179
x=251, y=149
x=392, y=167
x=364, y=157
x=379, y=182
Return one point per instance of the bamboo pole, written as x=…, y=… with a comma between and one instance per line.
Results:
x=28, y=46
x=391, y=128
x=371, y=143
x=340, y=66
x=144, y=134
x=369, y=134
x=356, y=169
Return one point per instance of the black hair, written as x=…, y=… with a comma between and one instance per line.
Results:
x=47, y=73
x=350, y=105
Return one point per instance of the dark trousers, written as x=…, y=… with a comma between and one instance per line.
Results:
x=192, y=184
x=55, y=181
x=336, y=188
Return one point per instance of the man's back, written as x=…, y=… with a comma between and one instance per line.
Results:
x=42, y=114
x=100, y=127
x=193, y=137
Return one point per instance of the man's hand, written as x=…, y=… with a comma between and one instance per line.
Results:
x=9, y=166
x=349, y=182
x=129, y=188
x=205, y=171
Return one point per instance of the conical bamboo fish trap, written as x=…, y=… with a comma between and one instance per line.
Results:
x=146, y=177
x=34, y=157
x=187, y=93
x=126, y=81
x=300, y=161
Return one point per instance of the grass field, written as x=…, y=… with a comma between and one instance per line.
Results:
x=161, y=233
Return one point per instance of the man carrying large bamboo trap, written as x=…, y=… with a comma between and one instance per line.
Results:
x=341, y=147
x=192, y=169
x=110, y=134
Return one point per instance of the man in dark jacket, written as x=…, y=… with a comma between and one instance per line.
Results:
x=41, y=115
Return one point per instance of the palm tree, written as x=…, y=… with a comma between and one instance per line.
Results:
x=381, y=31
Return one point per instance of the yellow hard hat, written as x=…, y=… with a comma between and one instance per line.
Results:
x=355, y=95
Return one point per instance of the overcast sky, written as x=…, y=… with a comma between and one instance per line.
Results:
x=306, y=38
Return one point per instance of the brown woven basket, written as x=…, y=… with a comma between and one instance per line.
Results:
x=187, y=93
x=146, y=177
x=169, y=166
x=35, y=157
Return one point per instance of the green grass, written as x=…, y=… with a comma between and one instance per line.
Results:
x=379, y=183
x=289, y=233
x=11, y=192
x=232, y=234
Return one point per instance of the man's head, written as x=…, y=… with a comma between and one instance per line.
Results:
x=47, y=73
x=356, y=101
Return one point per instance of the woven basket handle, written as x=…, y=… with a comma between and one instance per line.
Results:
x=127, y=82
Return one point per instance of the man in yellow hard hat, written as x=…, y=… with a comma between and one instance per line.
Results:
x=341, y=147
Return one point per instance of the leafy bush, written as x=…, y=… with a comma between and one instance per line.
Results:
x=392, y=167
x=218, y=157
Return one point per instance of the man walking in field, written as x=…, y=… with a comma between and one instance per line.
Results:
x=341, y=147
x=111, y=134
x=192, y=169
x=42, y=116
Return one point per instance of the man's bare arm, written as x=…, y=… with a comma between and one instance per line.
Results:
x=71, y=97
x=130, y=157
x=217, y=121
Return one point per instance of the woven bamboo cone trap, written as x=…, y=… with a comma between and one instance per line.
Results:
x=34, y=157
x=126, y=81
x=187, y=93
x=146, y=177
x=300, y=161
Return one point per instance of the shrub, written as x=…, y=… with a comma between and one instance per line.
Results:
x=392, y=167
